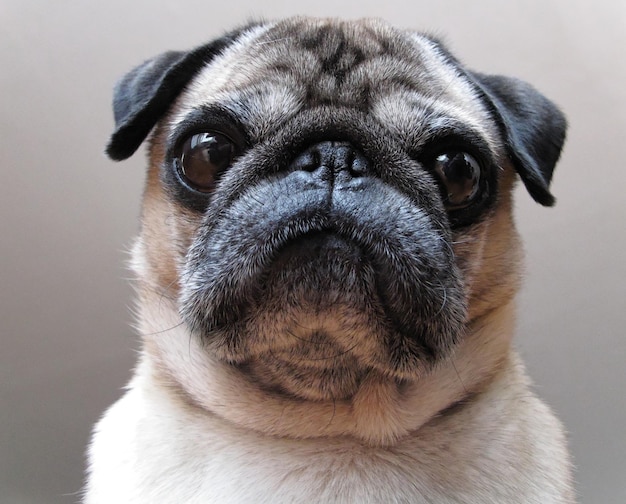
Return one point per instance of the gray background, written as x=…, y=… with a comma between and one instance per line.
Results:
x=67, y=214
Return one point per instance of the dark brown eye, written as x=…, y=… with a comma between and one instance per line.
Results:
x=460, y=174
x=204, y=156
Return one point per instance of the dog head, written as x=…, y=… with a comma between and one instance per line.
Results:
x=328, y=206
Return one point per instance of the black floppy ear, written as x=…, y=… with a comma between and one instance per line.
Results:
x=145, y=94
x=533, y=128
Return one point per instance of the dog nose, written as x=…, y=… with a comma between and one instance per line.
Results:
x=332, y=160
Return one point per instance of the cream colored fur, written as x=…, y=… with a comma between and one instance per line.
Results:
x=232, y=443
x=155, y=447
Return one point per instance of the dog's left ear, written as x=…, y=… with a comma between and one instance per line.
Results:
x=533, y=129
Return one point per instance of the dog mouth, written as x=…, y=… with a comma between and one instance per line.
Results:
x=308, y=296
x=319, y=268
x=326, y=282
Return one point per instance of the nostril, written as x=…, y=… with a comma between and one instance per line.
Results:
x=334, y=158
x=358, y=165
x=308, y=161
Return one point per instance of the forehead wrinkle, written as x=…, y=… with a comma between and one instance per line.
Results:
x=269, y=75
x=232, y=68
x=264, y=109
x=459, y=98
x=408, y=113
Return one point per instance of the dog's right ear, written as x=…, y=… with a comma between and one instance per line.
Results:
x=533, y=128
x=145, y=94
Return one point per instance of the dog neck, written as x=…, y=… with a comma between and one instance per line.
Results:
x=380, y=413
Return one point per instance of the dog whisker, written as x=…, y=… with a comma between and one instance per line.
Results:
x=445, y=299
x=271, y=41
x=332, y=416
x=308, y=340
x=162, y=331
x=459, y=376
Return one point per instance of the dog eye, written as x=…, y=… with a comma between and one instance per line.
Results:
x=203, y=157
x=460, y=174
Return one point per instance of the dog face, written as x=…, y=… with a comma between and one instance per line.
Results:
x=327, y=202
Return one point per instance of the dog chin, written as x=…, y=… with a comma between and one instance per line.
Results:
x=318, y=370
x=323, y=278
x=319, y=324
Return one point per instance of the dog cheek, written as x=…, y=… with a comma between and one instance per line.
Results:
x=167, y=229
x=489, y=254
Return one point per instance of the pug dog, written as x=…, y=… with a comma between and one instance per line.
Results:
x=326, y=270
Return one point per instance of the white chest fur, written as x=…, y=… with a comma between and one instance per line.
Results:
x=151, y=447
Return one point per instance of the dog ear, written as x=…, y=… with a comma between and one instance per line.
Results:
x=145, y=94
x=533, y=128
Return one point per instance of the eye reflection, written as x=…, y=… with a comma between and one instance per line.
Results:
x=204, y=156
x=460, y=174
